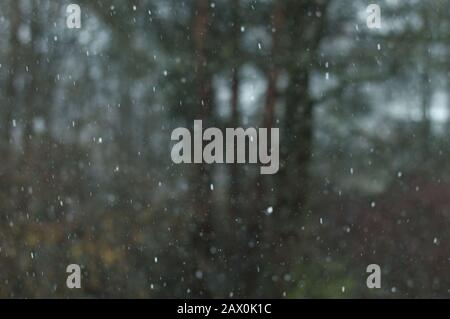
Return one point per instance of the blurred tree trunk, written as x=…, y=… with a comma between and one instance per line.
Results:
x=235, y=116
x=298, y=133
x=7, y=177
x=200, y=30
x=11, y=96
x=27, y=161
x=124, y=138
x=278, y=17
x=204, y=233
x=297, y=137
x=255, y=223
x=425, y=85
x=31, y=57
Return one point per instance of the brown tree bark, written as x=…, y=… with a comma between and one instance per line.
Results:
x=278, y=18
x=204, y=234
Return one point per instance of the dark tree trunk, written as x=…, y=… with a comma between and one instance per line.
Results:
x=203, y=236
x=235, y=116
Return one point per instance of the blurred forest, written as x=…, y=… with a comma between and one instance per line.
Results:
x=86, y=175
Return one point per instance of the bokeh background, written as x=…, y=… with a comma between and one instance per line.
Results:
x=86, y=175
